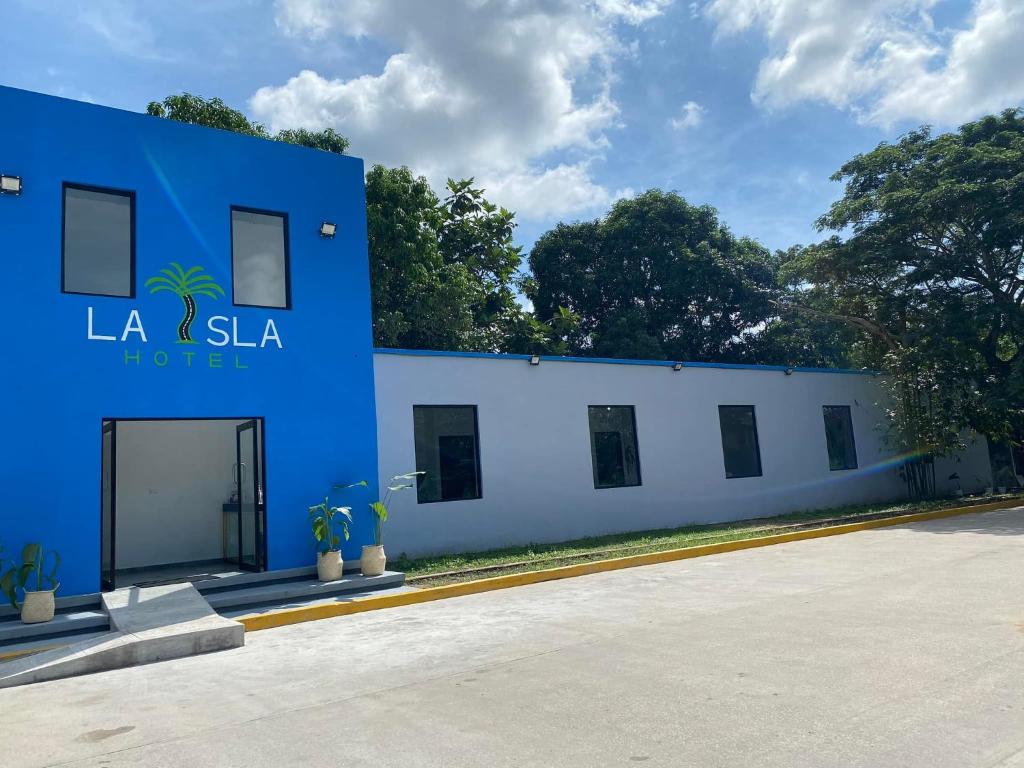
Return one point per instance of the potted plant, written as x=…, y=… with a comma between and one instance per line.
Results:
x=38, y=604
x=329, y=524
x=374, y=560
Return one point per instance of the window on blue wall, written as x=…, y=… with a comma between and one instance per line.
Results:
x=613, y=446
x=98, y=242
x=842, y=449
x=259, y=258
x=447, y=452
x=739, y=441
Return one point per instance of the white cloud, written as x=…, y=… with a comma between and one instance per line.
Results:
x=691, y=114
x=558, y=191
x=883, y=59
x=514, y=92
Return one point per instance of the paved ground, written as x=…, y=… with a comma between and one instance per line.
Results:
x=896, y=647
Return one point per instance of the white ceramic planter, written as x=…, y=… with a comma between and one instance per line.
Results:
x=329, y=566
x=373, y=560
x=38, y=607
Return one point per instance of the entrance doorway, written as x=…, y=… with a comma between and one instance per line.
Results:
x=181, y=499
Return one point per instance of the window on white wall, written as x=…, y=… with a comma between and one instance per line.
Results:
x=447, y=452
x=739, y=441
x=99, y=242
x=613, y=446
x=259, y=258
x=842, y=448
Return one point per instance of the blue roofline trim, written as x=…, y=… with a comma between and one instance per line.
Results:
x=620, y=361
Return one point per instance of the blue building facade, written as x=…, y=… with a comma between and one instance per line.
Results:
x=161, y=271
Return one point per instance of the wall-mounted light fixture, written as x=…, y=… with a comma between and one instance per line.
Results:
x=10, y=185
x=677, y=366
x=328, y=229
x=788, y=371
x=535, y=360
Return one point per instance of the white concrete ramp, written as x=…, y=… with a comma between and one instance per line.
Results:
x=147, y=624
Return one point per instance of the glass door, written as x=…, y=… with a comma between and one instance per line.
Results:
x=108, y=518
x=250, y=496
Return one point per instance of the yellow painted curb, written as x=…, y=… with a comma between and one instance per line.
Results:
x=9, y=655
x=285, y=616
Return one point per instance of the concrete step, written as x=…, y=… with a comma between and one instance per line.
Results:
x=299, y=590
x=243, y=611
x=148, y=624
x=232, y=579
x=90, y=601
x=70, y=622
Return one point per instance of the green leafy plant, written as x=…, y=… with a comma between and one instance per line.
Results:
x=187, y=284
x=329, y=524
x=34, y=560
x=380, y=507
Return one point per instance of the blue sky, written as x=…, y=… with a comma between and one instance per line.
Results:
x=558, y=107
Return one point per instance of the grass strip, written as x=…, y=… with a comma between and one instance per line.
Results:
x=437, y=570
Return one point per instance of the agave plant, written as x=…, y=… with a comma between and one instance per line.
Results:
x=187, y=284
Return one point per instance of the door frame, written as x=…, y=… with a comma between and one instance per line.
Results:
x=109, y=425
x=258, y=496
x=261, y=425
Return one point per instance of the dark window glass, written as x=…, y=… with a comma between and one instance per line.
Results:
x=739, y=441
x=447, y=452
x=842, y=450
x=98, y=242
x=613, y=446
x=259, y=258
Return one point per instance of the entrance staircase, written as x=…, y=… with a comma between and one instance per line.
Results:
x=239, y=594
x=153, y=622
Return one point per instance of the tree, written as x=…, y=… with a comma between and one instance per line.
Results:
x=927, y=266
x=655, y=278
x=419, y=301
x=477, y=235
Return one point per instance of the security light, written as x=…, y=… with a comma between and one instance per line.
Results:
x=10, y=185
x=327, y=229
x=535, y=360
x=677, y=366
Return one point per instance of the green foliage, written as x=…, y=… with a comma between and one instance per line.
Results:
x=380, y=508
x=214, y=113
x=419, y=301
x=444, y=273
x=329, y=524
x=927, y=266
x=655, y=278
x=326, y=140
x=33, y=561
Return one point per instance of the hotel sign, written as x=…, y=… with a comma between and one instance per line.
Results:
x=221, y=331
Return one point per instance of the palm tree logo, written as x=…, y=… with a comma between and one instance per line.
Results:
x=186, y=284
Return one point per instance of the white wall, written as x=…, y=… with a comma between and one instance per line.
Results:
x=172, y=478
x=535, y=455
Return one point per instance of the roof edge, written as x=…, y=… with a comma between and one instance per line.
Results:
x=621, y=361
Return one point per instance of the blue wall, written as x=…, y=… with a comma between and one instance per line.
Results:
x=56, y=385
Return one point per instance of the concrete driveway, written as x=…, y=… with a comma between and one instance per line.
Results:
x=895, y=647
